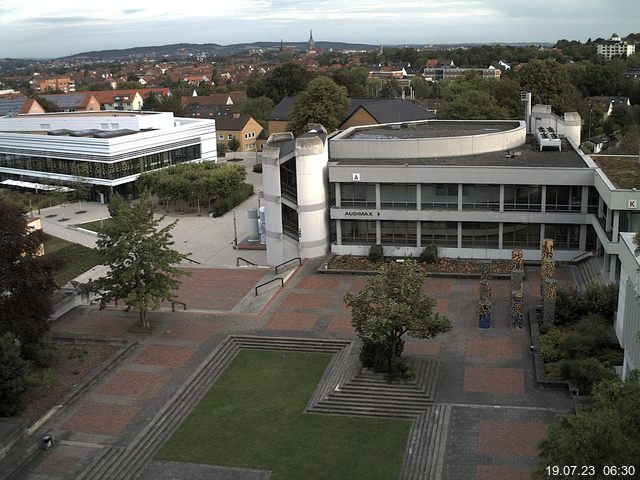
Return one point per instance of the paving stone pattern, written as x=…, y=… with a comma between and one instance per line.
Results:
x=483, y=422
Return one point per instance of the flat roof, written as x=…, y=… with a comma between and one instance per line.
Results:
x=431, y=129
x=527, y=155
x=622, y=170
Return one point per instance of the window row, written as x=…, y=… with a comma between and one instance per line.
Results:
x=110, y=170
x=472, y=234
x=444, y=196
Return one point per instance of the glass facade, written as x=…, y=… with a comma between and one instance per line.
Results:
x=565, y=237
x=523, y=198
x=563, y=199
x=480, y=235
x=104, y=170
x=594, y=198
x=290, y=222
x=398, y=195
x=358, y=195
x=358, y=232
x=481, y=197
x=521, y=235
x=441, y=234
x=440, y=196
x=399, y=233
x=288, y=180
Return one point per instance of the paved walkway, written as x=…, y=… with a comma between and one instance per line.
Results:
x=497, y=413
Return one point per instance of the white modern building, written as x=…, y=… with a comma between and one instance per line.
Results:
x=615, y=46
x=106, y=149
x=627, y=322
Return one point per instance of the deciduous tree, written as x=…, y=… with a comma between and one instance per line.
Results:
x=141, y=262
x=12, y=375
x=549, y=84
x=390, y=305
x=322, y=102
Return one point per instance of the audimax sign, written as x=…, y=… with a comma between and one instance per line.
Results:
x=360, y=213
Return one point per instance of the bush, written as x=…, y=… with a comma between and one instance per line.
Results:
x=610, y=357
x=596, y=326
x=223, y=205
x=40, y=353
x=585, y=372
x=550, y=345
x=222, y=149
x=257, y=168
x=572, y=305
x=375, y=355
x=376, y=254
x=13, y=370
x=578, y=345
x=429, y=254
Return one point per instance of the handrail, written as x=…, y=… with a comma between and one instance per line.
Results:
x=191, y=260
x=290, y=260
x=173, y=305
x=244, y=260
x=582, y=256
x=267, y=283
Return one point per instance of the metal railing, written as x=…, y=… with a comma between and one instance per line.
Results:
x=267, y=283
x=191, y=260
x=582, y=256
x=248, y=262
x=173, y=305
x=289, y=261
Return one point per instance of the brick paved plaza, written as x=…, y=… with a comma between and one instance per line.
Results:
x=498, y=413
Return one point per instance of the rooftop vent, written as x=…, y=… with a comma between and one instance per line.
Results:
x=548, y=137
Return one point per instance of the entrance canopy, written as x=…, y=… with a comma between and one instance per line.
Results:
x=36, y=186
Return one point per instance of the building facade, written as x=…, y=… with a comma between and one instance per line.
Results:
x=107, y=150
x=615, y=47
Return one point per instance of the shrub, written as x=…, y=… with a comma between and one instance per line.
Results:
x=610, y=357
x=596, y=326
x=222, y=149
x=429, y=254
x=578, y=345
x=550, y=345
x=572, y=305
x=376, y=254
x=257, y=168
x=13, y=370
x=585, y=372
x=223, y=205
x=40, y=353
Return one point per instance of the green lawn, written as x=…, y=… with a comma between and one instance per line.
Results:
x=253, y=417
x=93, y=226
x=74, y=258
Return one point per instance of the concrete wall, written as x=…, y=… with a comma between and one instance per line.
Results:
x=272, y=205
x=568, y=126
x=627, y=322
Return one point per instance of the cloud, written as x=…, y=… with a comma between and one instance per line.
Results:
x=74, y=20
x=131, y=11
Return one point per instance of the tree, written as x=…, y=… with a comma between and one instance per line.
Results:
x=322, y=102
x=389, y=306
x=636, y=242
x=259, y=108
x=288, y=79
x=474, y=98
x=603, y=434
x=26, y=279
x=354, y=79
x=12, y=375
x=549, y=84
x=233, y=144
x=139, y=256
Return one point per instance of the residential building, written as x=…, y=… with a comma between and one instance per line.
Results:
x=436, y=74
x=19, y=105
x=74, y=102
x=215, y=100
x=607, y=103
x=122, y=100
x=107, y=150
x=614, y=47
x=242, y=127
x=64, y=84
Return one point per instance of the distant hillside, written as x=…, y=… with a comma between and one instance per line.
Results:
x=210, y=49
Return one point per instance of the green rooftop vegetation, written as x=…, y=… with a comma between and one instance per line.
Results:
x=623, y=171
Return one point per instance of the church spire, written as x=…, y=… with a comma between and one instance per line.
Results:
x=312, y=43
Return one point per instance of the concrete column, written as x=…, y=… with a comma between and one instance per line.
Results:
x=459, y=199
x=419, y=197
x=378, y=232
x=612, y=268
x=338, y=195
x=541, y=235
x=419, y=233
x=339, y=232
x=500, y=233
x=459, y=234
x=584, y=205
x=608, y=221
x=501, y=209
x=543, y=199
x=616, y=225
x=583, y=238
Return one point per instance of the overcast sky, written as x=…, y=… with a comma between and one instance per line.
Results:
x=56, y=28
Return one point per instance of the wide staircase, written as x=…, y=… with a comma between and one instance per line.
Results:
x=344, y=389
x=590, y=272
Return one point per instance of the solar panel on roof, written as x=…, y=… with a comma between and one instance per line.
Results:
x=11, y=105
x=66, y=101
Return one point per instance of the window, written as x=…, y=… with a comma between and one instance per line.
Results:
x=480, y=197
x=358, y=232
x=524, y=198
x=398, y=233
x=45, y=126
x=443, y=196
x=400, y=196
x=479, y=235
x=521, y=235
x=115, y=126
x=290, y=222
x=441, y=234
x=104, y=126
x=230, y=136
x=594, y=197
x=358, y=195
x=221, y=137
x=563, y=199
x=565, y=237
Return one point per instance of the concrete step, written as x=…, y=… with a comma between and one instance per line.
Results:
x=363, y=411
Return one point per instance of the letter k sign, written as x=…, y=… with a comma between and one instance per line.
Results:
x=633, y=204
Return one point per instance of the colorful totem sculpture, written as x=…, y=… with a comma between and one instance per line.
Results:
x=517, y=298
x=547, y=284
x=484, y=306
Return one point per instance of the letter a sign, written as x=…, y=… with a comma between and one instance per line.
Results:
x=356, y=177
